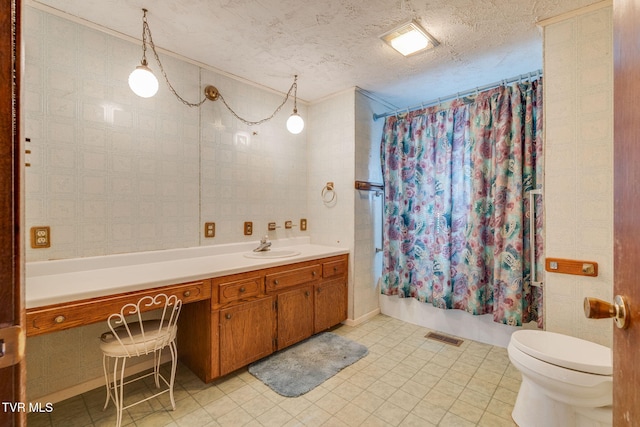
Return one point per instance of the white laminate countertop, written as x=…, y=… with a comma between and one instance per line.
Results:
x=59, y=281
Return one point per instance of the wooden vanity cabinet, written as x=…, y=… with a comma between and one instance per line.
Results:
x=246, y=333
x=294, y=314
x=331, y=295
x=251, y=315
x=330, y=305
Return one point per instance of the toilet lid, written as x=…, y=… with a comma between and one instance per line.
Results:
x=565, y=351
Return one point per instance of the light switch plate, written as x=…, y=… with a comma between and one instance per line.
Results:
x=303, y=224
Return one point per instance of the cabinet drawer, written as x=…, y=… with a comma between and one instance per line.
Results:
x=239, y=289
x=334, y=268
x=293, y=277
x=57, y=317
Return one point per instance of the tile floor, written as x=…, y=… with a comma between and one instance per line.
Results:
x=405, y=380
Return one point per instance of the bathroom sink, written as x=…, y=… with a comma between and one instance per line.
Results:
x=278, y=253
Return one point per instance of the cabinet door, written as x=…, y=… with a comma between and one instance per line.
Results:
x=330, y=304
x=246, y=333
x=295, y=316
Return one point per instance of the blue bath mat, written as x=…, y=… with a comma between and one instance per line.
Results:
x=302, y=367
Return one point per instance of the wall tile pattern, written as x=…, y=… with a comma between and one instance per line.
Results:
x=115, y=173
x=578, y=72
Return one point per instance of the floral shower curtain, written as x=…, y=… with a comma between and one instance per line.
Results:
x=456, y=231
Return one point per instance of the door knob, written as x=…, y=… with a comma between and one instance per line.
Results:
x=595, y=308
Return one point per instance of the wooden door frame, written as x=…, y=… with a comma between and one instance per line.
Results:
x=12, y=379
x=626, y=58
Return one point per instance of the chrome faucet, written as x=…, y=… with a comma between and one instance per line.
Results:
x=265, y=245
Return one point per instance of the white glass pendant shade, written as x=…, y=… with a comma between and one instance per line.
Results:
x=142, y=82
x=295, y=124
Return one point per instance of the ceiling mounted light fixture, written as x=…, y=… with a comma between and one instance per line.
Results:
x=409, y=38
x=144, y=83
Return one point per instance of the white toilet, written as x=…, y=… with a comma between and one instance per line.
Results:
x=566, y=381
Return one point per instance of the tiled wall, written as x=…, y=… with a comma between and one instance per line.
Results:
x=114, y=173
x=331, y=140
x=578, y=73
x=368, y=207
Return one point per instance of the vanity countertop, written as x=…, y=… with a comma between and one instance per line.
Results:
x=60, y=281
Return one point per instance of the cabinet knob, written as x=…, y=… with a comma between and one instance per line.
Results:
x=319, y=290
x=306, y=294
x=313, y=273
x=335, y=268
x=242, y=289
x=275, y=282
x=227, y=316
x=186, y=294
x=59, y=319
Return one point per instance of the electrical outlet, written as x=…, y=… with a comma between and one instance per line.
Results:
x=303, y=224
x=288, y=224
x=209, y=229
x=271, y=226
x=40, y=237
x=248, y=228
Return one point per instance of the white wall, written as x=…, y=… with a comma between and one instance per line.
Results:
x=331, y=140
x=578, y=94
x=368, y=208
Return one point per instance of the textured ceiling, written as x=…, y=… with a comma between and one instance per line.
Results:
x=334, y=45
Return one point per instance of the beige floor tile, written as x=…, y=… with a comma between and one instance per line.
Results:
x=274, y=417
x=412, y=420
x=391, y=413
x=352, y=415
x=313, y=416
x=258, y=405
x=295, y=405
x=491, y=420
x=474, y=398
x=452, y=420
x=429, y=412
x=466, y=411
x=501, y=409
x=234, y=418
x=404, y=400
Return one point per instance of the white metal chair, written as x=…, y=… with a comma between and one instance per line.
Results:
x=132, y=336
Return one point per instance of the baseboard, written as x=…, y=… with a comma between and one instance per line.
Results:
x=363, y=318
x=60, y=395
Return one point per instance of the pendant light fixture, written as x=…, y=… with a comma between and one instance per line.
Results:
x=295, y=124
x=144, y=83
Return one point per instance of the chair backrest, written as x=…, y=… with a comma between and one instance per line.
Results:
x=138, y=336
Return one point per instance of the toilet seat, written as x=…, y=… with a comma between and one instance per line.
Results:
x=564, y=351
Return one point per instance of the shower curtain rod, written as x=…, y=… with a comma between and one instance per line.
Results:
x=529, y=76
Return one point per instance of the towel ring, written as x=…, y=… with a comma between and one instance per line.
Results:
x=328, y=194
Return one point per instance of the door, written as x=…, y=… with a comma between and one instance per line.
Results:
x=295, y=316
x=330, y=304
x=246, y=333
x=12, y=370
x=626, y=342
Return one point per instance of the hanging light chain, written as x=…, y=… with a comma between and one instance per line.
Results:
x=146, y=33
x=146, y=30
x=277, y=110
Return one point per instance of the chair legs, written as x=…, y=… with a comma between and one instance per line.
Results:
x=115, y=385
